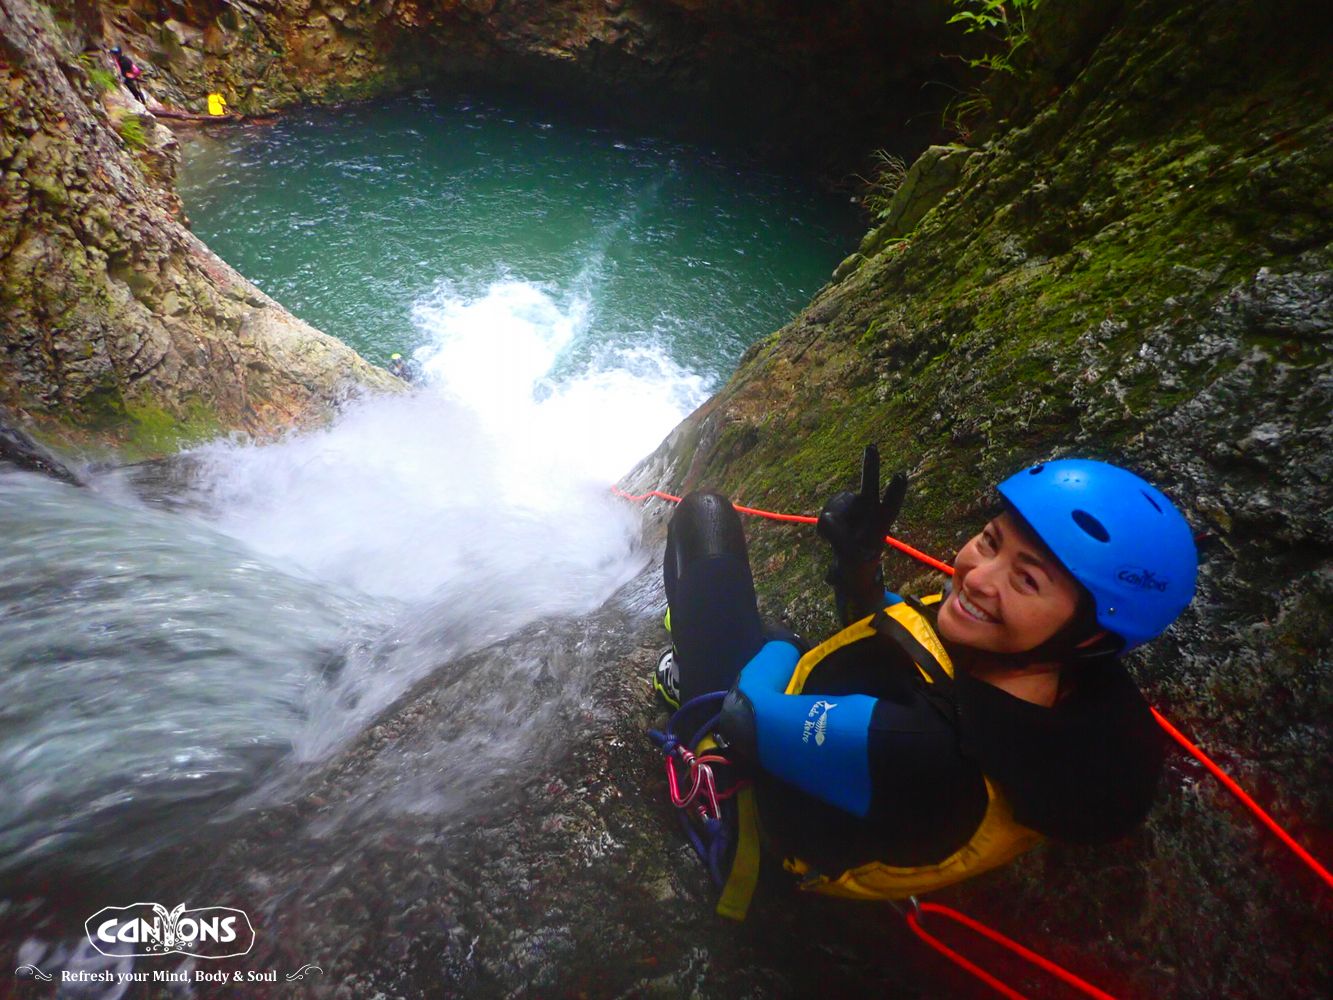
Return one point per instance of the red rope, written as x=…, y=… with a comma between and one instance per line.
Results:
x=1244, y=797
x=1045, y=964
x=640, y=497
x=1171, y=730
x=962, y=962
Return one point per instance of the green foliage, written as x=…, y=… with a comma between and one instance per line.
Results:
x=879, y=190
x=1002, y=21
x=102, y=78
x=132, y=131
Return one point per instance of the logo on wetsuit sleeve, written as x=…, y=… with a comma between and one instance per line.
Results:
x=816, y=721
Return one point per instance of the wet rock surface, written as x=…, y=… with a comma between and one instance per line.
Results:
x=438, y=858
x=20, y=451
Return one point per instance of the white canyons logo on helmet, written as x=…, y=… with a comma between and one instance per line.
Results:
x=816, y=721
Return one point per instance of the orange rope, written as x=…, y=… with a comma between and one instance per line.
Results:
x=917, y=554
x=1171, y=730
x=1046, y=964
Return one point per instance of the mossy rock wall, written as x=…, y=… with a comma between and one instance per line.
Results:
x=118, y=325
x=1135, y=267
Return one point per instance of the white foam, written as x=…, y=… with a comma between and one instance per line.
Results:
x=490, y=483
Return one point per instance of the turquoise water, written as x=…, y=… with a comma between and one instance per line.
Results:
x=353, y=218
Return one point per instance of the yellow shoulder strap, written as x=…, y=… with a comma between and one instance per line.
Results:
x=919, y=628
x=854, y=632
x=744, y=875
x=912, y=620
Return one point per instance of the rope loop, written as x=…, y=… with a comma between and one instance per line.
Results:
x=1045, y=964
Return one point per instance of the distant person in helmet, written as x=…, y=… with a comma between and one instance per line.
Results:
x=397, y=366
x=129, y=73
x=932, y=740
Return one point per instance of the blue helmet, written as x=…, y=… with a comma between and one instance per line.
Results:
x=1118, y=536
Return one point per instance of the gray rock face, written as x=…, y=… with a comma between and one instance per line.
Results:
x=118, y=325
x=22, y=452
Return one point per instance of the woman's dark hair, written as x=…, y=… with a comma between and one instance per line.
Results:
x=1067, y=643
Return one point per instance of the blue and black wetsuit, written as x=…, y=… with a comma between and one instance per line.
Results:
x=925, y=797
x=910, y=786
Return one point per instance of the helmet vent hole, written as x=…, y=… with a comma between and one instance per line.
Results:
x=1091, y=525
x=1155, y=505
x=1036, y=469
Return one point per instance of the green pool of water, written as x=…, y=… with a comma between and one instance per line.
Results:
x=354, y=218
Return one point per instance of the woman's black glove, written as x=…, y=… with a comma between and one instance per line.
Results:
x=855, y=524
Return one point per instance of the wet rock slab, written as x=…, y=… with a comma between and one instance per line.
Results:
x=558, y=872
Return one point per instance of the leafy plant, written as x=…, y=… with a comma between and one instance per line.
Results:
x=879, y=190
x=132, y=131
x=1003, y=21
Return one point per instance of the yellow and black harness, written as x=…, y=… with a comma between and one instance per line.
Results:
x=998, y=839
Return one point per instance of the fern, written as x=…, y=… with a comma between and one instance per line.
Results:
x=1003, y=21
x=963, y=110
x=132, y=131
x=102, y=78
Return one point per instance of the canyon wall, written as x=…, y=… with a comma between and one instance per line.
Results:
x=118, y=326
x=816, y=83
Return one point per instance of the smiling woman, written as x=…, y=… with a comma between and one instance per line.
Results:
x=1010, y=593
x=929, y=741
